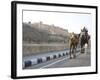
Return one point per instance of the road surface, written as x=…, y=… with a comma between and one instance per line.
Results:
x=81, y=60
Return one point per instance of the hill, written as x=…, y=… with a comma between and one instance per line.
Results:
x=43, y=33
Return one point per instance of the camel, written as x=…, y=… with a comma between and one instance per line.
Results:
x=74, y=40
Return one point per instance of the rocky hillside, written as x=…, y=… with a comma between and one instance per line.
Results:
x=43, y=33
x=50, y=29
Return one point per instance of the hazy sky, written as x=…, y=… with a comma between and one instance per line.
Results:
x=71, y=21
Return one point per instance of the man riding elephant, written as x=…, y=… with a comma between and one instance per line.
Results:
x=84, y=38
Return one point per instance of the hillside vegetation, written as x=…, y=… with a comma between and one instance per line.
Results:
x=43, y=33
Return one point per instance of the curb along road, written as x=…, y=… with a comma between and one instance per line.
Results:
x=27, y=62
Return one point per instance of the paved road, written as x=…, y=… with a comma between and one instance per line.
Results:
x=80, y=60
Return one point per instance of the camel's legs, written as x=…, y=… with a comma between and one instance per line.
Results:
x=70, y=52
x=74, y=52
